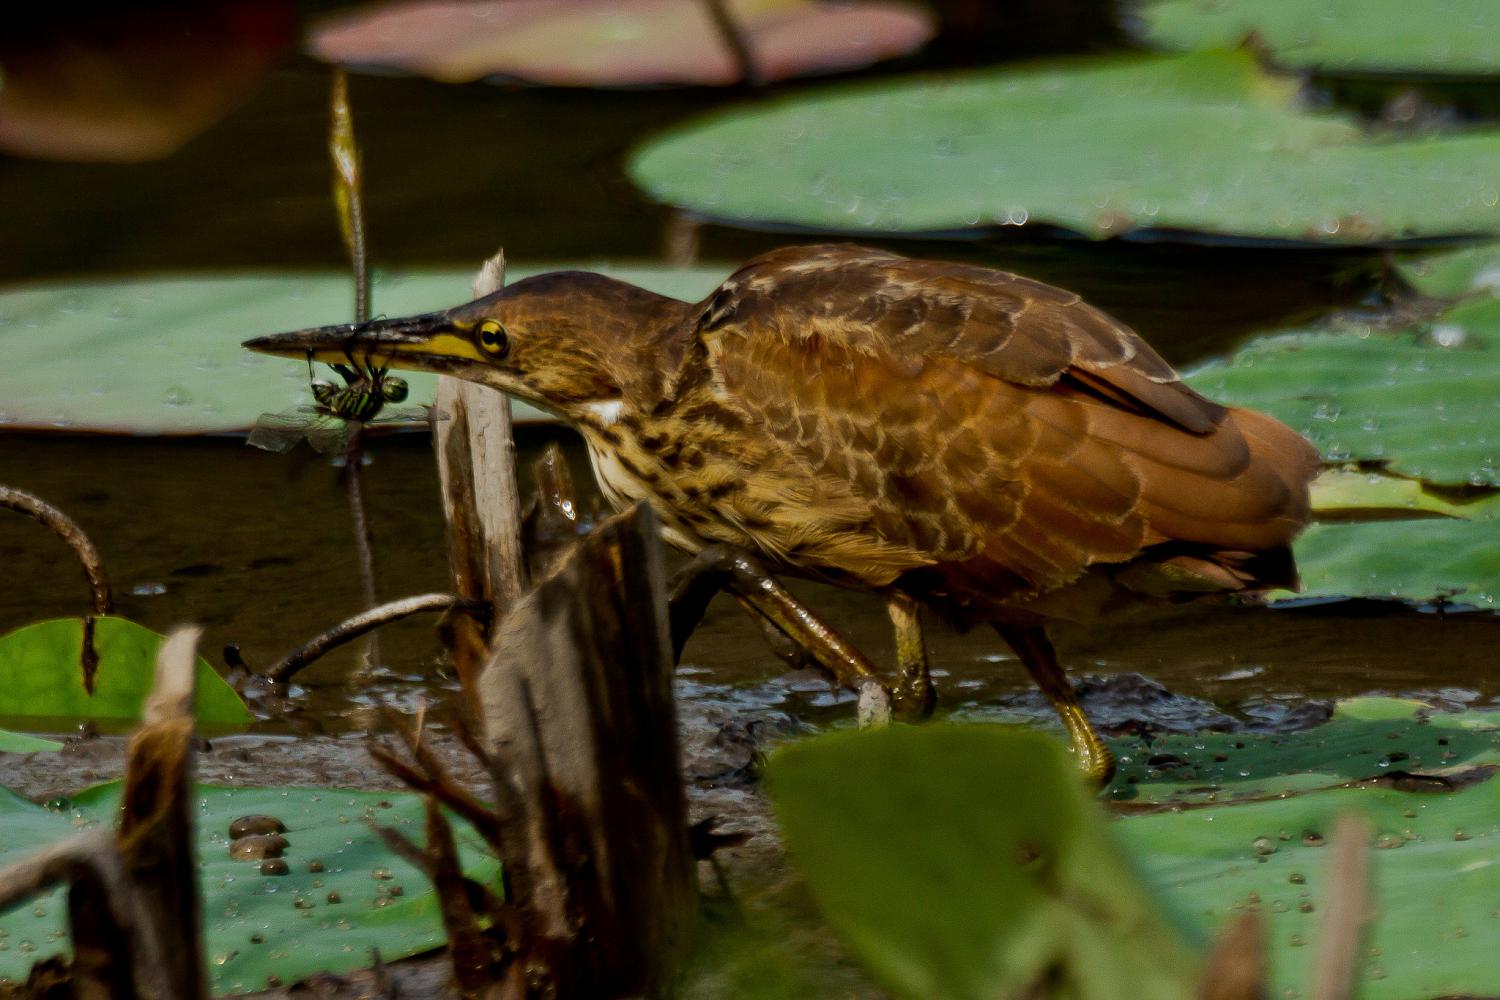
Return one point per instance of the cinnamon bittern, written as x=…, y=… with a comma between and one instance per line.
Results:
x=939, y=434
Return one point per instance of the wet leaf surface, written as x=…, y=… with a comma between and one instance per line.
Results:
x=343, y=895
x=589, y=43
x=41, y=676
x=1433, y=876
x=1451, y=37
x=995, y=824
x=163, y=355
x=1419, y=407
x=1205, y=143
x=1369, y=738
x=25, y=743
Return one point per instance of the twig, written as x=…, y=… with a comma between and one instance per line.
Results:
x=347, y=196
x=353, y=628
x=1346, y=912
x=67, y=529
x=739, y=46
x=46, y=868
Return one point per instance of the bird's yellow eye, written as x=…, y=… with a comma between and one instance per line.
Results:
x=493, y=339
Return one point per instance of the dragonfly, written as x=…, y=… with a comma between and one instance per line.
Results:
x=340, y=411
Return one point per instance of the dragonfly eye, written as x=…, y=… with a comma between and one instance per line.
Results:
x=393, y=389
x=493, y=339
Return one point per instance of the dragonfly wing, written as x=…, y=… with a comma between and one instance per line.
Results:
x=408, y=415
x=278, y=432
x=330, y=435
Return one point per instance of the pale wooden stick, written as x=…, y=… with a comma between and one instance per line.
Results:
x=476, y=455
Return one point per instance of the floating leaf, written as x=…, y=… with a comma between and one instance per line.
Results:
x=972, y=866
x=257, y=926
x=25, y=743
x=618, y=43
x=1434, y=878
x=1450, y=274
x=1423, y=404
x=1351, y=493
x=42, y=674
x=1160, y=145
x=1366, y=738
x=163, y=356
x=1451, y=37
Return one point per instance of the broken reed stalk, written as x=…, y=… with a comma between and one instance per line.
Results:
x=67, y=529
x=349, y=201
x=156, y=820
x=476, y=456
x=581, y=729
x=1346, y=912
x=133, y=906
x=352, y=628
x=1236, y=968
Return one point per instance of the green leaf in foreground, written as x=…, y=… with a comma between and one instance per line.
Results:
x=967, y=862
x=1452, y=37
x=42, y=674
x=1205, y=143
x=163, y=355
x=257, y=926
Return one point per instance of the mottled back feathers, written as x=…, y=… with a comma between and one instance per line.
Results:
x=984, y=438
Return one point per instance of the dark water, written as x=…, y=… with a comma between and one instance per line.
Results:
x=255, y=546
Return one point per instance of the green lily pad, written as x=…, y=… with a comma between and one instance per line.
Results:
x=1420, y=403
x=1451, y=274
x=25, y=743
x=973, y=866
x=41, y=674
x=258, y=926
x=1366, y=738
x=1435, y=881
x=1451, y=37
x=163, y=355
x=1352, y=493
x=1204, y=143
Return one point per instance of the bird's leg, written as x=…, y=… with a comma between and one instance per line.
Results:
x=914, y=696
x=1035, y=650
x=722, y=567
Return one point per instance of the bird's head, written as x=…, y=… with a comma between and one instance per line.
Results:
x=560, y=341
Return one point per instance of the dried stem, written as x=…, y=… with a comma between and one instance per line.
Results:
x=1346, y=912
x=67, y=529
x=734, y=38
x=347, y=188
x=352, y=628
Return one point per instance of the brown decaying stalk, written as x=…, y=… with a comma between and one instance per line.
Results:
x=348, y=199
x=67, y=529
x=352, y=628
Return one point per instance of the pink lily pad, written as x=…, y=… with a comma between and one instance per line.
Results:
x=617, y=43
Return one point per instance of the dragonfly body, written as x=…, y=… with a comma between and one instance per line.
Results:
x=341, y=411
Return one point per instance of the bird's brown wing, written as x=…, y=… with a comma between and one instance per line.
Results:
x=987, y=424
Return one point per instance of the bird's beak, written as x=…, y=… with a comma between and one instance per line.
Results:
x=430, y=342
